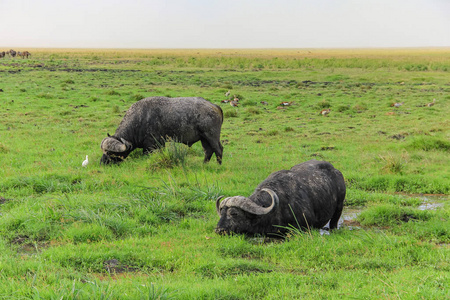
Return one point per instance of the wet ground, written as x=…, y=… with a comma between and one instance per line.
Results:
x=432, y=202
x=350, y=214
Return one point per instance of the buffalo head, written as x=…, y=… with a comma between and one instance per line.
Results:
x=114, y=150
x=240, y=214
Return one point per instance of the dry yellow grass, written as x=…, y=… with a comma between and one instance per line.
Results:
x=428, y=54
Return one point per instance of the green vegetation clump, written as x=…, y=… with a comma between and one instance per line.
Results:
x=390, y=215
x=173, y=154
x=112, y=93
x=427, y=143
x=323, y=104
x=230, y=114
x=136, y=97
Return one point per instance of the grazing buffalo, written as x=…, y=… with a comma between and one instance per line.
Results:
x=149, y=122
x=309, y=195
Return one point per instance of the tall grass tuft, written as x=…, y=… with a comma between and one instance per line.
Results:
x=173, y=154
x=393, y=164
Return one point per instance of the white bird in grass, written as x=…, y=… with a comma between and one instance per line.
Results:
x=85, y=162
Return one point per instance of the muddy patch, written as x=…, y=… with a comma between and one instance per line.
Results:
x=25, y=246
x=4, y=200
x=348, y=220
x=350, y=214
x=114, y=266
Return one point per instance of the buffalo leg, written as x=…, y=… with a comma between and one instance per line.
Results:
x=219, y=151
x=337, y=214
x=216, y=147
x=207, y=149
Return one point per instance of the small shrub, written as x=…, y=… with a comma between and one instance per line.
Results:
x=69, y=81
x=360, y=107
x=323, y=104
x=253, y=111
x=112, y=93
x=230, y=114
x=272, y=132
x=393, y=164
x=288, y=129
x=342, y=108
x=45, y=96
x=115, y=109
x=136, y=97
x=227, y=86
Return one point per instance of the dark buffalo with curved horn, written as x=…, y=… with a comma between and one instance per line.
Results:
x=309, y=195
x=149, y=122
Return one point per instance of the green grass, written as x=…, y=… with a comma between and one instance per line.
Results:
x=145, y=229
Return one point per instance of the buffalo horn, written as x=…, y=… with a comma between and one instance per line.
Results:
x=113, y=145
x=218, y=204
x=249, y=206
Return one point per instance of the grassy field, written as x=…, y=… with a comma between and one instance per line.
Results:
x=145, y=229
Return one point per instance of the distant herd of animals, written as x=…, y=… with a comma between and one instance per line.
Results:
x=324, y=112
x=309, y=195
x=12, y=53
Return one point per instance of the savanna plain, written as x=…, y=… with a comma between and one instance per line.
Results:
x=144, y=229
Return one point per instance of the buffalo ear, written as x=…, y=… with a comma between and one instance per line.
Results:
x=126, y=143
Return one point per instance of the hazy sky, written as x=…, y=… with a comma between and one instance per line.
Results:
x=224, y=23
